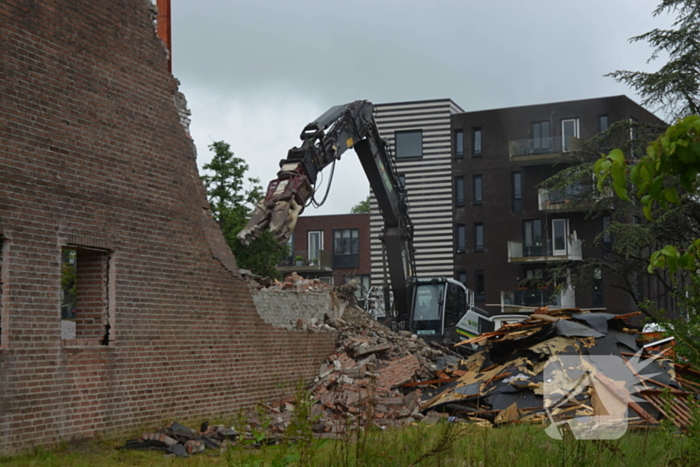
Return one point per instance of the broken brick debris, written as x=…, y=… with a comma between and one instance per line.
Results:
x=292, y=281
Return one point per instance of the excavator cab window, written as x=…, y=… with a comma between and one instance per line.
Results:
x=455, y=305
x=427, y=313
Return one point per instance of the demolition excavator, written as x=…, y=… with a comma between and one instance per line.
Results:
x=439, y=309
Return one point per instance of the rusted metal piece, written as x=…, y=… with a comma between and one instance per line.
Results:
x=164, y=28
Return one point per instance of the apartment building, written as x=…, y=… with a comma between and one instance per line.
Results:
x=508, y=233
x=419, y=137
x=333, y=248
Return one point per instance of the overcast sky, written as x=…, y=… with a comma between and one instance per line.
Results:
x=255, y=72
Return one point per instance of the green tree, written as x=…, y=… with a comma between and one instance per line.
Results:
x=232, y=203
x=361, y=208
x=665, y=179
x=621, y=252
x=675, y=87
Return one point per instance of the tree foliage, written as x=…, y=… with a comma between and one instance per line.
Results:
x=361, y=208
x=622, y=251
x=666, y=177
x=666, y=180
x=675, y=87
x=232, y=197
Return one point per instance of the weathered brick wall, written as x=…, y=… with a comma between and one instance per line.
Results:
x=92, y=153
x=284, y=308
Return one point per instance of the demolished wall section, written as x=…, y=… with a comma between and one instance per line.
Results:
x=93, y=149
x=284, y=308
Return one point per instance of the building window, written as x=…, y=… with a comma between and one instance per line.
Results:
x=569, y=132
x=314, y=244
x=478, y=189
x=461, y=276
x=560, y=232
x=541, y=137
x=85, y=307
x=461, y=238
x=603, y=123
x=517, y=188
x=532, y=238
x=476, y=142
x=459, y=144
x=479, y=289
x=346, y=248
x=459, y=191
x=479, y=237
x=4, y=273
x=409, y=143
x=607, y=235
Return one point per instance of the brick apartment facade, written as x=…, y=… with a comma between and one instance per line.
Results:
x=94, y=160
x=499, y=158
x=480, y=216
x=340, y=243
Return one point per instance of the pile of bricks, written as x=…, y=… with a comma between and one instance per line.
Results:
x=291, y=281
x=182, y=441
x=374, y=375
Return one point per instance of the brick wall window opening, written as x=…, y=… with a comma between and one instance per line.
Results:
x=459, y=144
x=476, y=142
x=346, y=248
x=409, y=143
x=85, y=296
x=459, y=191
x=460, y=238
x=478, y=189
x=479, y=237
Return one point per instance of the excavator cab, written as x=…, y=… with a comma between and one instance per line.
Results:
x=438, y=306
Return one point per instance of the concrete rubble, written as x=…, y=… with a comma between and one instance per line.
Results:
x=384, y=378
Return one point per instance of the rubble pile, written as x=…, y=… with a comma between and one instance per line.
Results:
x=375, y=375
x=569, y=366
x=292, y=281
x=182, y=441
x=562, y=366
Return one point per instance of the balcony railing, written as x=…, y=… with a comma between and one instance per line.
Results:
x=536, y=298
x=542, y=148
x=517, y=252
x=299, y=261
x=575, y=198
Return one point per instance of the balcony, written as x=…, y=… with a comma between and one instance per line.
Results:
x=575, y=198
x=517, y=253
x=299, y=262
x=535, y=298
x=541, y=151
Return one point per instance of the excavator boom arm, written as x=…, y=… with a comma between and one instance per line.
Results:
x=323, y=142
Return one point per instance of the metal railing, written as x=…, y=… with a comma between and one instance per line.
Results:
x=540, y=146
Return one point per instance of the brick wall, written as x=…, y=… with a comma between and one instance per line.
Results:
x=93, y=155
